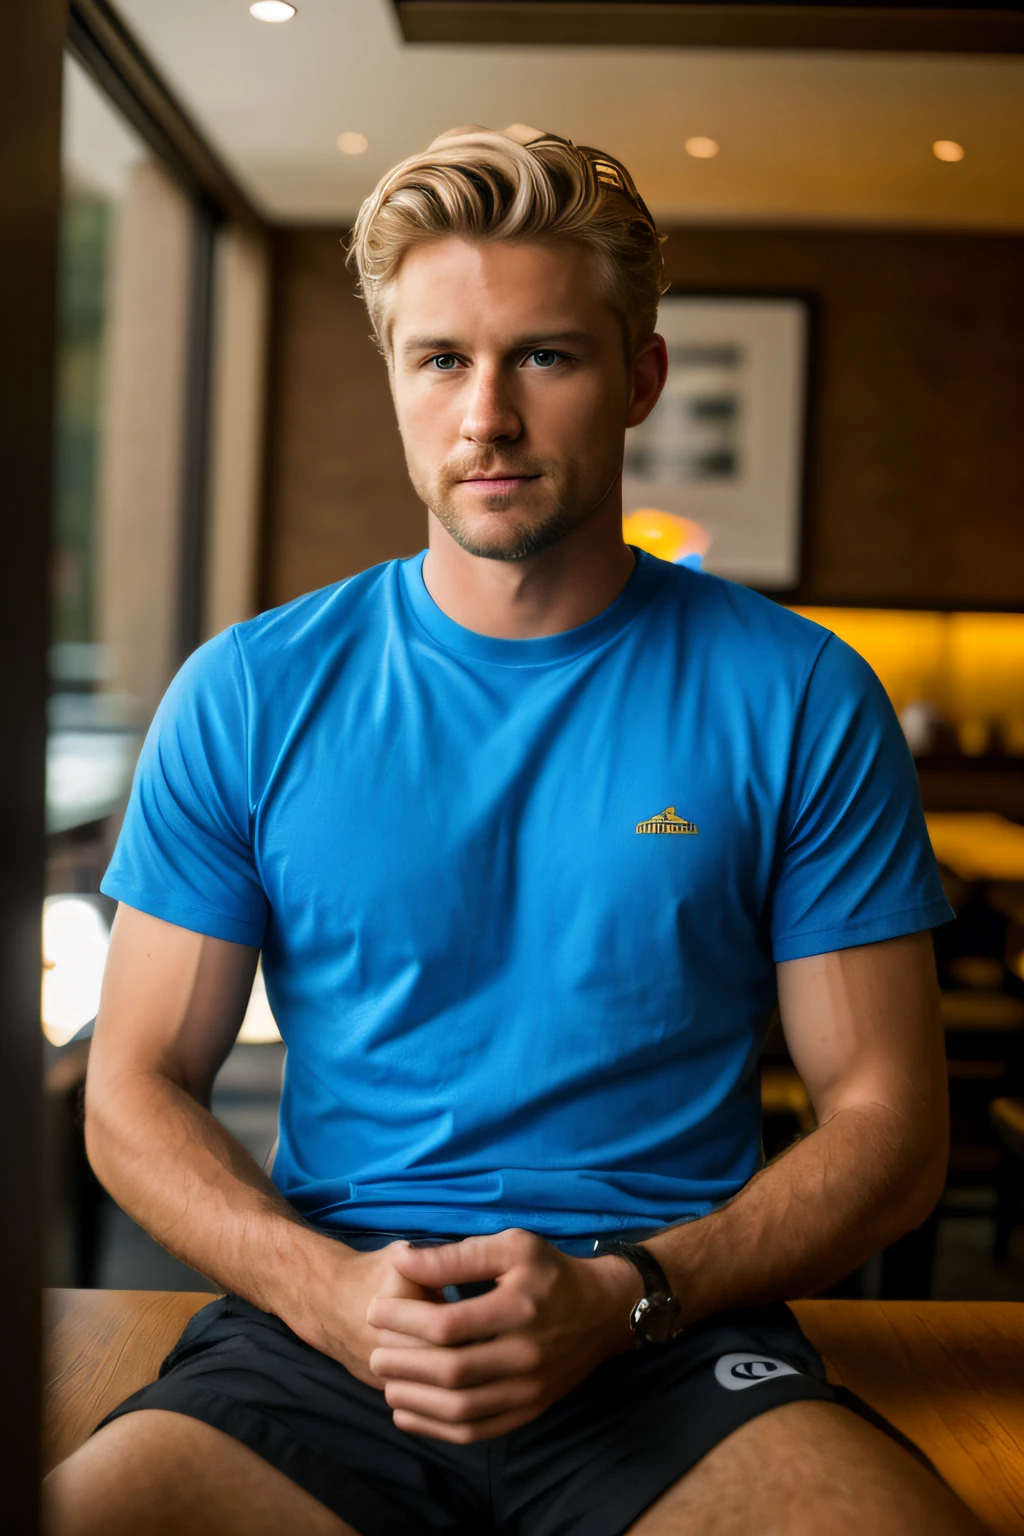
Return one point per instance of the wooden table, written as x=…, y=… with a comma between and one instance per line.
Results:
x=947, y=1373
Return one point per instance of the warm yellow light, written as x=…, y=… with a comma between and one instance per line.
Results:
x=352, y=143
x=967, y=666
x=978, y=845
x=986, y=664
x=75, y=941
x=909, y=651
x=701, y=148
x=665, y=535
x=1013, y=735
x=272, y=10
x=974, y=737
x=947, y=149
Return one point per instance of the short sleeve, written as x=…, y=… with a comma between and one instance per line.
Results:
x=854, y=863
x=185, y=852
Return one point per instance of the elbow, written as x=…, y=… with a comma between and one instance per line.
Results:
x=94, y=1132
x=100, y=1132
x=928, y=1175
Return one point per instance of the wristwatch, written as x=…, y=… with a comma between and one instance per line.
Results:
x=658, y=1316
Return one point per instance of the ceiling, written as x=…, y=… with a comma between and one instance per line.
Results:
x=805, y=137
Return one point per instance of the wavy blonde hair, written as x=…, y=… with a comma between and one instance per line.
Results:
x=520, y=184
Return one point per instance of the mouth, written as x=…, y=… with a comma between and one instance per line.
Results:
x=498, y=485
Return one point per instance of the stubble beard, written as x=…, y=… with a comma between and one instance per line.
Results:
x=499, y=533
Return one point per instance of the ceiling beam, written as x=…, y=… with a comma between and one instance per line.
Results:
x=913, y=28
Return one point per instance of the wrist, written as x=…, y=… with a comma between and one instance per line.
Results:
x=616, y=1287
x=300, y=1281
x=677, y=1256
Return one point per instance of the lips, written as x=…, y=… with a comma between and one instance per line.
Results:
x=498, y=485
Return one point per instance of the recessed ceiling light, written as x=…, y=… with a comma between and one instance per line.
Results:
x=352, y=143
x=947, y=149
x=272, y=10
x=701, y=148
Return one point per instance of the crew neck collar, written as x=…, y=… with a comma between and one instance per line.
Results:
x=545, y=649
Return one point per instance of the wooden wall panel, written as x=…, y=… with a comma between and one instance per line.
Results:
x=916, y=480
x=339, y=497
x=916, y=487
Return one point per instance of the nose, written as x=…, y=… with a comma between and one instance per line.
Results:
x=490, y=414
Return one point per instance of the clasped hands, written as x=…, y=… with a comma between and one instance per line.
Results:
x=470, y=1370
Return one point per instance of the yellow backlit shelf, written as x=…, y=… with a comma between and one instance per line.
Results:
x=977, y=845
x=969, y=667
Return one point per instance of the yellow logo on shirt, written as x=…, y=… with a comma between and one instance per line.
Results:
x=667, y=821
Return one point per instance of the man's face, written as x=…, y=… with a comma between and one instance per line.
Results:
x=512, y=388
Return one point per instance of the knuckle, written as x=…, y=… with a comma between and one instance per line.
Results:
x=530, y=1355
x=444, y=1329
x=454, y=1373
x=528, y=1309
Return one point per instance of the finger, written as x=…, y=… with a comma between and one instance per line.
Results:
x=462, y=1434
x=501, y=1311
x=386, y=1339
x=471, y=1366
x=465, y=1406
x=475, y=1258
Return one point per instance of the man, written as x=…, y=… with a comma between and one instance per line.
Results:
x=531, y=831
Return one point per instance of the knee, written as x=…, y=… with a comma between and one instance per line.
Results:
x=115, y=1483
x=72, y=1499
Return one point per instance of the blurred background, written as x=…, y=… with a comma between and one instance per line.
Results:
x=843, y=196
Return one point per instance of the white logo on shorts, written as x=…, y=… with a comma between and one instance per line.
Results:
x=734, y=1372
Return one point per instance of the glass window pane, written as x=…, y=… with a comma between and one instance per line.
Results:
x=123, y=293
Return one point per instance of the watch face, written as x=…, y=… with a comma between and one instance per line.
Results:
x=657, y=1319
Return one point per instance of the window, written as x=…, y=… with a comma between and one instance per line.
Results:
x=126, y=269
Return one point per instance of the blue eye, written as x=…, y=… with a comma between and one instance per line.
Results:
x=445, y=361
x=544, y=357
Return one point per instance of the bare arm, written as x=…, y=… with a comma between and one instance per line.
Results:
x=171, y=1007
x=864, y=1031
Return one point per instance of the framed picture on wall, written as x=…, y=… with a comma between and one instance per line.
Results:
x=724, y=447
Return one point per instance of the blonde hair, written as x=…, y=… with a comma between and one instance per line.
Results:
x=521, y=184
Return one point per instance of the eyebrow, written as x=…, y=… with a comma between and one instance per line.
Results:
x=449, y=344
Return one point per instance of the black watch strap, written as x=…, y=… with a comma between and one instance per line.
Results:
x=657, y=1316
x=651, y=1273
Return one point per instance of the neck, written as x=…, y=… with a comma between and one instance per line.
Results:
x=544, y=594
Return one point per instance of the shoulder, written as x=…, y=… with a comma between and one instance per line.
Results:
x=741, y=624
x=255, y=660
x=286, y=642
x=306, y=619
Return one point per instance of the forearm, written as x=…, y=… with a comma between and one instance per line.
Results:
x=176, y=1170
x=835, y=1198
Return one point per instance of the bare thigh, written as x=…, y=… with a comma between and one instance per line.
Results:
x=165, y=1475
x=808, y=1469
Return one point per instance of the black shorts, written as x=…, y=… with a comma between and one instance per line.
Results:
x=591, y=1463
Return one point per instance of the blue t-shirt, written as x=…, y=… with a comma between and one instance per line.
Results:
x=520, y=901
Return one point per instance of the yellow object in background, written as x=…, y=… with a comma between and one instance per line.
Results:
x=977, y=845
x=910, y=652
x=969, y=667
x=672, y=538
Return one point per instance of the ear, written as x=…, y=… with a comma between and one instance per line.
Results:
x=649, y=372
